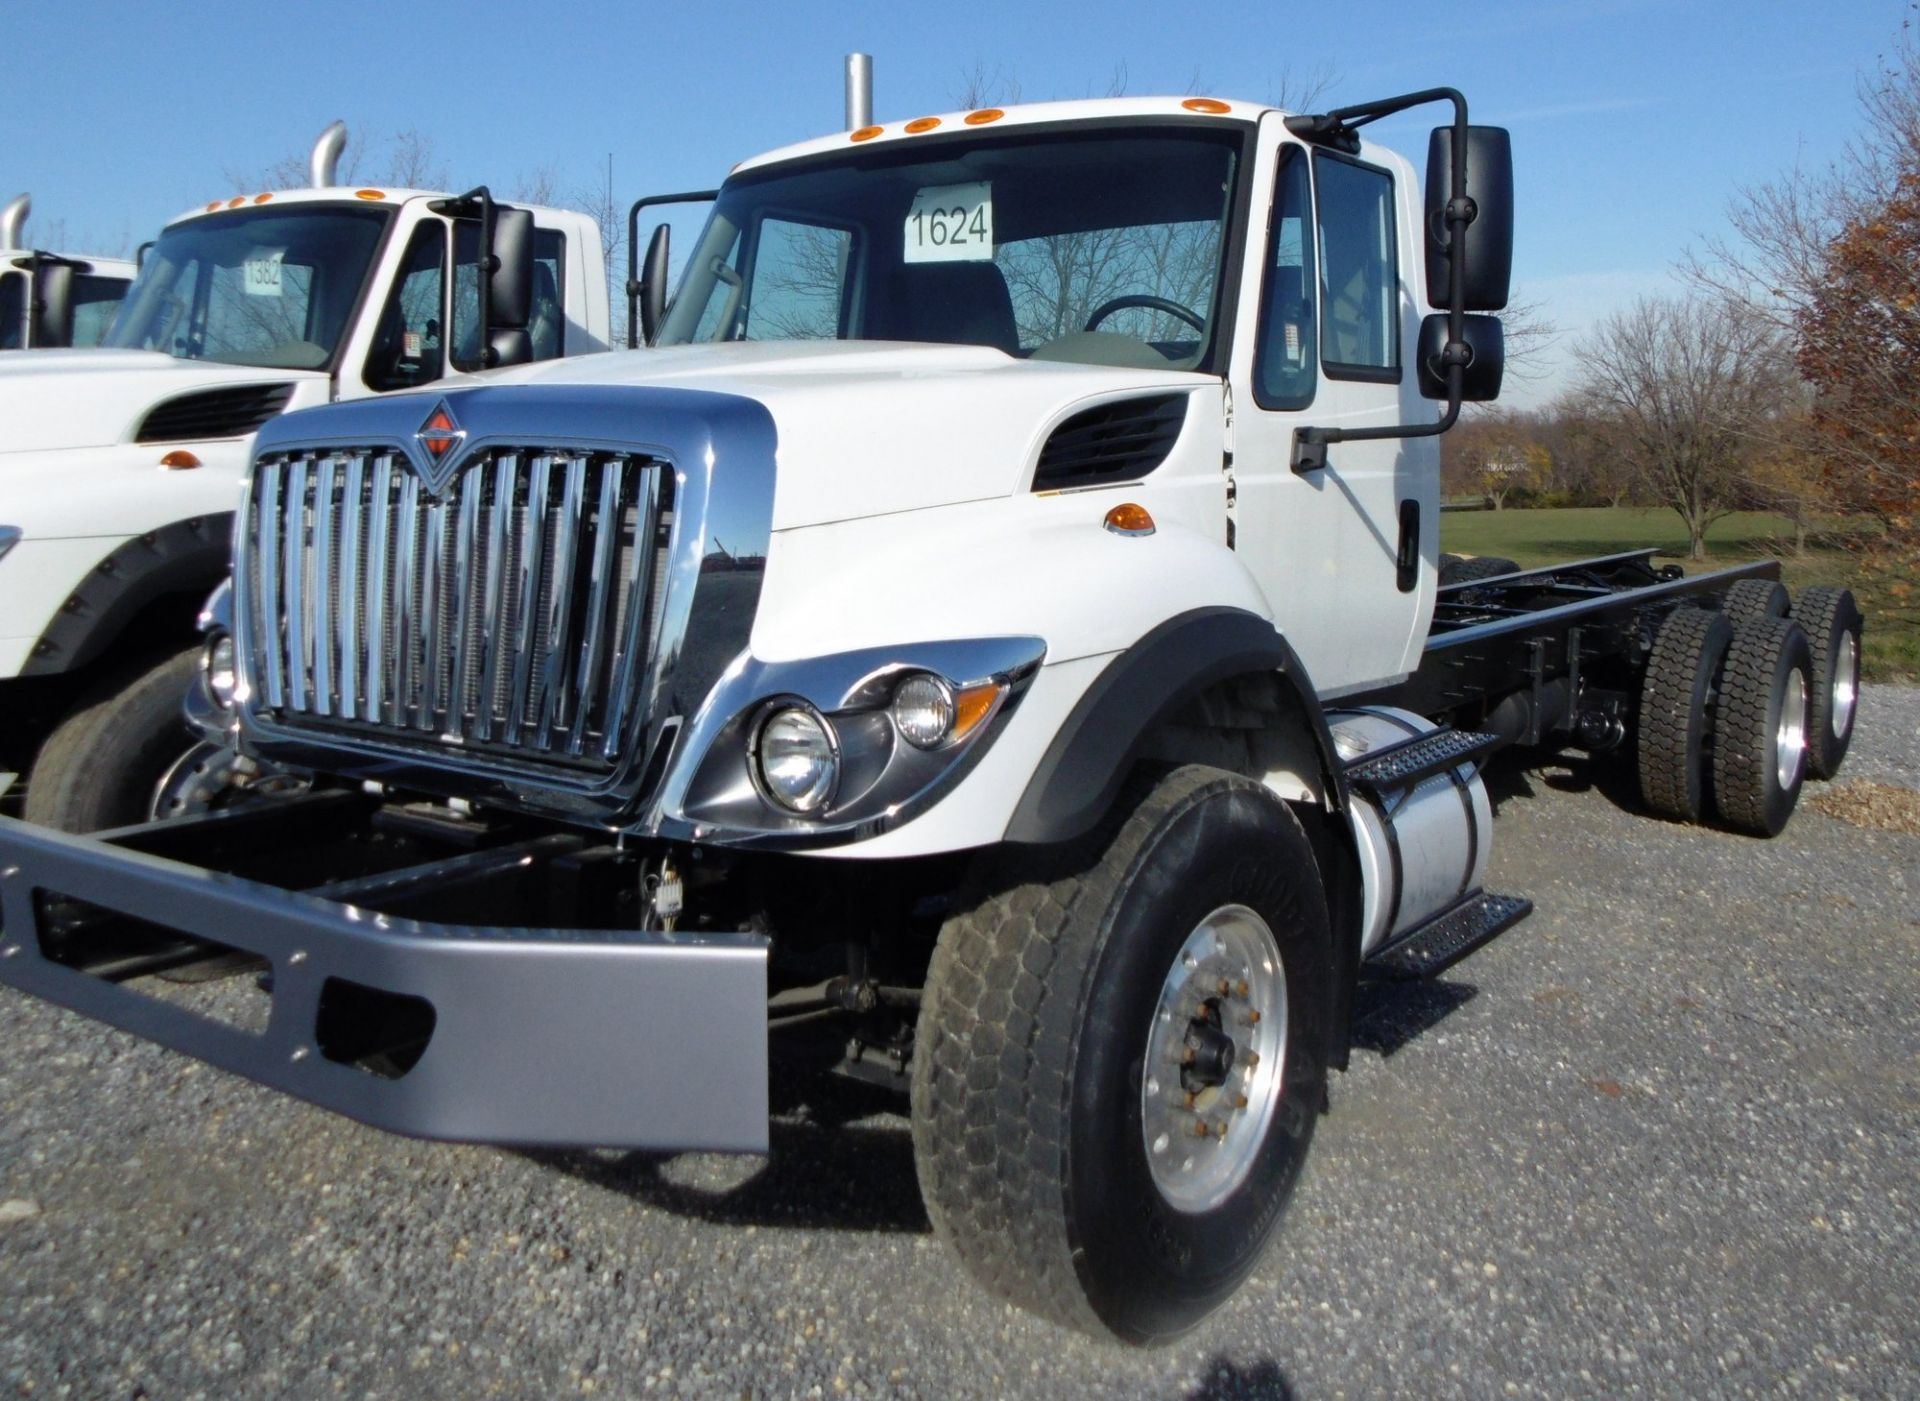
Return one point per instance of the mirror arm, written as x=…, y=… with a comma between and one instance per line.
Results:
x=1337, y=128
x=633, y=251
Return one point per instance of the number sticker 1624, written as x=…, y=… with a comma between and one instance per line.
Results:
x=950, y=224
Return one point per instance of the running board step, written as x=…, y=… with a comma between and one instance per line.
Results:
x=1403, y=765
x=1449, y=936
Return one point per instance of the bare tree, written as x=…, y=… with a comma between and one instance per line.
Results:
x=1694, y=387
x=599, y=203
x=406, y=160
x=978, y=87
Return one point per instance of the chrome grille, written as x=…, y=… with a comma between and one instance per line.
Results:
x=512, y=612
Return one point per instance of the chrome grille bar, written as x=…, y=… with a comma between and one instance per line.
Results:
x=511, y=613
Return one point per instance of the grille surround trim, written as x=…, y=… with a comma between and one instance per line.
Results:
x=720, y=450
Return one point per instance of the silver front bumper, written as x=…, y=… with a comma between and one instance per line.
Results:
x=538, y=1036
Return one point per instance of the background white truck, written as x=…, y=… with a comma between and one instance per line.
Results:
x=120, y=467
x=992, y=643
x=53, y=300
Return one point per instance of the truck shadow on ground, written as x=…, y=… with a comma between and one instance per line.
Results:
x=1389, y=1015
x=841, y=1159
x=1521, y=774
x=1228, y=1381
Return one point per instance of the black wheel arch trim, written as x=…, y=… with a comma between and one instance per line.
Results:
x=186, y=555
x=1081, y=774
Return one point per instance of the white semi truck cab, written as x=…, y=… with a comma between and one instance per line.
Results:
x=51, y=301
x=993, y=644
x=120, y=466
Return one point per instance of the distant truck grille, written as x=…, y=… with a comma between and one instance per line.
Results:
x=511, y=614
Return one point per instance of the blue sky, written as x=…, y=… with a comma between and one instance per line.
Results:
x=1633, y=120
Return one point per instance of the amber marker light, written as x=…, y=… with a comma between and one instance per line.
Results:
x=920, y=124
x=1130, y=520
x=1205, y=104
x=973, y=704
x=179, y=460
x=984, y=115
x=261, y=199
x=866, y=133
x=369, y=194
x=215, y=204
x=236, y=201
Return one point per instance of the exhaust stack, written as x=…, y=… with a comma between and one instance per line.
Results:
x=859, y=91
x=323, y=165
x=13, y=218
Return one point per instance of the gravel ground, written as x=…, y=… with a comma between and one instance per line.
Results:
x=1660, y=1138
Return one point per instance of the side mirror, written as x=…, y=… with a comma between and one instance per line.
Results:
x=510, y=288
x=51, y=320
x=1489, y=250
x=653, y=282
x=1486, y=341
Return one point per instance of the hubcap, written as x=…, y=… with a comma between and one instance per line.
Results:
x=1790, y=737
x=1846, y=687
x=1216, y=1059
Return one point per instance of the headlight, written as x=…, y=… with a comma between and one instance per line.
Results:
x=797, y=759
x=217, y=665
x=923, y=711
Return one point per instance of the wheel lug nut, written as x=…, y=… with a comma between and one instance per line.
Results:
x=1252, y=1062
x=1226, y=988
x=1239, y=1101
x=1187, y=1056
x=1191, y=1098
x=1253, y=1019
x=1200, y=1128
x=1242, y=987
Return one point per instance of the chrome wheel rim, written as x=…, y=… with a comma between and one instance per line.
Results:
x=1790, y=735
x=1845, y=693
x=1216, y=1059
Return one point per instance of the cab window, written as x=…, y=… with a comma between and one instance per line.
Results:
x=406, y=342
x=1285, y=354
x=1359, y=281
x=13, y=310
x=800, y=273
x=546, y=319
x=95, y=300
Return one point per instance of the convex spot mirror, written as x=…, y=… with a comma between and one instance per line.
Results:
x=1485, y=339
x=1489, y=250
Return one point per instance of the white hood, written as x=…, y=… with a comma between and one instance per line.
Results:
x=91, y=398
x=868, y=428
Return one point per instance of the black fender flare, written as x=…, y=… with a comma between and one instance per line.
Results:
x=188, y=555
x=1082, y=772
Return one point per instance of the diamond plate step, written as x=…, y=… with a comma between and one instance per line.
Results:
x=1403, y=765
x=1449, y=936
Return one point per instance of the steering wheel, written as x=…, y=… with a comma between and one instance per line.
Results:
x=1141, y=299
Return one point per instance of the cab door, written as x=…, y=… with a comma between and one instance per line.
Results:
x=1327, y=331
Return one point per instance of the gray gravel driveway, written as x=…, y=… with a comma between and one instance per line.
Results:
x=1662, y=1138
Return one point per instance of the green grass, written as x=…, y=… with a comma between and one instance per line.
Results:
x=1889, y=595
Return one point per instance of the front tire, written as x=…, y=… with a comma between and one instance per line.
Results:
x=1035, y=1116
x=103, y=765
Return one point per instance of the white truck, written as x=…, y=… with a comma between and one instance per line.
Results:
x=120, y=466
x=53, y=300
x=992, y=642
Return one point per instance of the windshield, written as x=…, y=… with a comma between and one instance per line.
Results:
x=267, y=287
x=1101, y=246
x=13, y=310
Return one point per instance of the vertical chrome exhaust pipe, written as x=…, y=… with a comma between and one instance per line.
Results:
x=13, y=218
x=324, y=164
x=859, y=91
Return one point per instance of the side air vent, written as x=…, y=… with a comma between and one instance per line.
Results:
x=215, y=413
x=1112, y=443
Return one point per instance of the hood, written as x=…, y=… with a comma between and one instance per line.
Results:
x=869, y=428
x=53, y=399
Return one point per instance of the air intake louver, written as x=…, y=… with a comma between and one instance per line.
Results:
x=1113, y=443
x=215, y=413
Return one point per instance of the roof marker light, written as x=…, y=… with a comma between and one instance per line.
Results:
x=369, y=194
x=212, y=205
x=920, y=124
x=984, y=115
x=261, y=199
x=1205, y=104
x=866, y=133
x=236, y=201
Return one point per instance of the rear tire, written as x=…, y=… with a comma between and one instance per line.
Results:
x=1456, y=570
x=103, y=765
x=1760, y=726
x=1750, y=600
x=1833, y=623
x=1675, y=695
x=1031, y=1089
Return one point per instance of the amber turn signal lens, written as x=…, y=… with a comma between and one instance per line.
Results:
x=972, y=704
x=179, y=460
x=866, y=133
x=1205, y=104
x=1129, y=519
x=984, y=115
